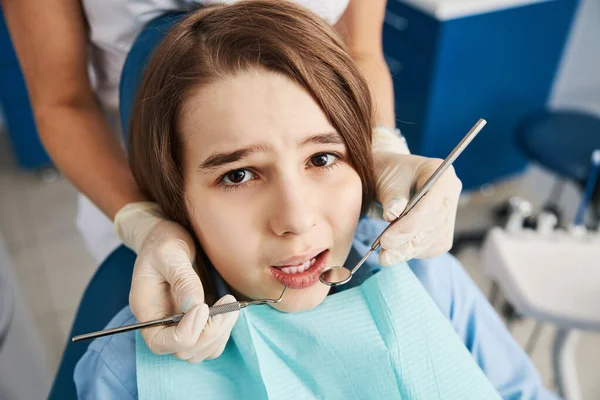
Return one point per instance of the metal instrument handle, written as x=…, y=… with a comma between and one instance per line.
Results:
x=224, y=308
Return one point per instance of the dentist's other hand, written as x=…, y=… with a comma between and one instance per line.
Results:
x=428, y=229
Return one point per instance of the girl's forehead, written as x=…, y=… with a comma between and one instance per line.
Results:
x=251, y=107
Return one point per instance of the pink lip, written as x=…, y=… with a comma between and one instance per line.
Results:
x=304, y=279
x=299, y=259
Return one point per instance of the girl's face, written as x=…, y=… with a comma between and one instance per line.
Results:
x=269, y=189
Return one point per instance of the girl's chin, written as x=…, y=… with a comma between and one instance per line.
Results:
x=302, y=299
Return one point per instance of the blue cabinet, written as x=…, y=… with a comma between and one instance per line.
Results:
x=18, y=116
x=496, y=65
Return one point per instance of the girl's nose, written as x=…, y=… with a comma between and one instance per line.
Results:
x=294, y=209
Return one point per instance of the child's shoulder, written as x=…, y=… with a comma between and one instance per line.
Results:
x=123, y=317
x=109, y=361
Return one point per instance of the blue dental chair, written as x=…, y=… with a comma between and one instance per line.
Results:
x=98, y=306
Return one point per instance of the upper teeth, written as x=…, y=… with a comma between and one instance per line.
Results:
x=299, y=268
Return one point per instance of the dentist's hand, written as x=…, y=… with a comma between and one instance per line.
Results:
x=428, y=229
x=165, y=283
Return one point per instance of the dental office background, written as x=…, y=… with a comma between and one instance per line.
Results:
x=530, y=67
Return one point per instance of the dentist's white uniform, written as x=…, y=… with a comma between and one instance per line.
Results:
x=114, y=25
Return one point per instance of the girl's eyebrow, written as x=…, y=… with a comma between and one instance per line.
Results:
x=322, y=138
x=217, y=160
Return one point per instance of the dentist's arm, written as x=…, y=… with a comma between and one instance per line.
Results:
x=50, y=39
x=361, y=27
x=428, y=230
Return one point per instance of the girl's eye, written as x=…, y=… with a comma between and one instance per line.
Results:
x=323, y=160
x=237, y=177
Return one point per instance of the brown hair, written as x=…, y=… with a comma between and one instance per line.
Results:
x=218, y=41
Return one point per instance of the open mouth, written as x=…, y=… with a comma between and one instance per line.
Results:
x=303, y=274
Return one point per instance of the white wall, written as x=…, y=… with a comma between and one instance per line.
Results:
x=578, y=80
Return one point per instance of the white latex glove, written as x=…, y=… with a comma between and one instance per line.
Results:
x=165, y=283
x=428, y=229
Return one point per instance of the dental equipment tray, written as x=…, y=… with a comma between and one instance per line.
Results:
x=553, y=277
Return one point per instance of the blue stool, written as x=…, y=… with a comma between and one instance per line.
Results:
x=562, y=142
x=108, y=291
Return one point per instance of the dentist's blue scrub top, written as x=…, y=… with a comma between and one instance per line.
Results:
x=107, y=369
